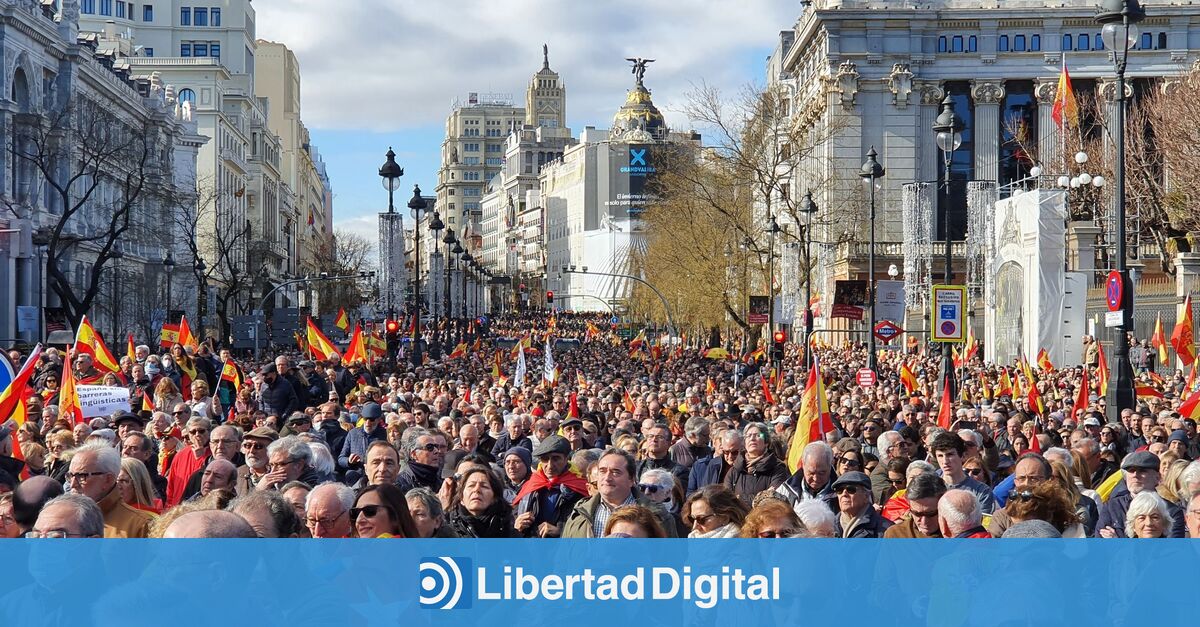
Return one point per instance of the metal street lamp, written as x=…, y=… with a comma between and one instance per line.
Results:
x=808, y=207
x=466, y=266
x=458, y=251
x=416, y=205
x=390, y=173
x=168, y=262
x=871, y=172
x=1120, y=32
x=947, y=130
x=435, y=226
x=202, y=297
x=449, y=240
x=773, y=230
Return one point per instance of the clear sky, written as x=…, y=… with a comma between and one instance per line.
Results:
x=380, y=73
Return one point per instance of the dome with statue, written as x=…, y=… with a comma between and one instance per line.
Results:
x=638, y=119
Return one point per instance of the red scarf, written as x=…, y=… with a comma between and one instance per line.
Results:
x=539, y=480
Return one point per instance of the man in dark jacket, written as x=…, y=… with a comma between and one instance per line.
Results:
x=712, y=469
x=814, y=478
x=616, y=487
x=139, y=446
x=514, y=435
x=547, y=498
x=1141, y=475
x=424, y=453
x=858, y=518
x=283, y=366
x=277, y=395
x=326, y=421
x=657, y=446
x=694, y=443
x=318, y=384
x=758, y=469
x=354, y=447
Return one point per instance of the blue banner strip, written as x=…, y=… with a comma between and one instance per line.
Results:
x=647, y=582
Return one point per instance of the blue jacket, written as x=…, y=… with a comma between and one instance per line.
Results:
x=1112, y=514
x=706, y=471
x=356, y=443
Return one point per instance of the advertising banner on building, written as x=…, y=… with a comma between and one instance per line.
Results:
x=889, y=301
x=849, y=300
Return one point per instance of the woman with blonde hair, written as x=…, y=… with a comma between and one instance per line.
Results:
x=1171, y=487
x=135, y=486
x=1085, y=507
x=633, y=521
x=629, y=444
x=166, y=395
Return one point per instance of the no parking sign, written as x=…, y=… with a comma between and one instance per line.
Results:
x=949, y=312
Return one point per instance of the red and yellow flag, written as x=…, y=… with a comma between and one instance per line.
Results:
x=1065, y=111
x=573, y=408
x=169, y=335
x=318, y=345
x=357, y=349
x=814, y=419
x=148, y=402
x=88, y=342
x=1182, y=338
x=766, y=390
x=908, y=379
x=1081, y=396
x=709, y=386
x=342, y=321
x=1159, y=339
x=130, y=351
x=1102, y=369
x=459, y=351
x=68, y=397
x=1190, y=384
x=231, y=373
x=1005, y=386
x=185, y=334
x=946, y=408
x=1191, y=407
x=1147, y=391
x=1043, y=360
x=629, y=406
x=12, y=400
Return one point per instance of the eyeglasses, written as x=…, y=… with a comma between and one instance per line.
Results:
x=703, y=520
x=847, y=489
x=253, y=446
x=282, y=465
x=197, y=431
x=1157, y=438
x=896, y=482
x=56, y=534
x=83, y=477
x=650, y=488
x=850, y=462
x=920, y=514
x=776, y=533
x=974, y=471
x=1024, y=495
x=370, y=511
x=431, y=447
x=323, y=522
x=178, y=413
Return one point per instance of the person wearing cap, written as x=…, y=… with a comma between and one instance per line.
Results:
x=547, y=499
x=1178, y=444
x=518, y=465
x=354, y=447
x=1141, y=475
x=276, y=393
x=858, y=517
x=572, y=431
x=254, y=450
x=127, y=422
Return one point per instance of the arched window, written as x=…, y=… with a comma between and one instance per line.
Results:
x=1084, y=42
x=1002, y=45
x=1162, y=41
x=187, y=95
x=1147, y=41
x=1067, y=43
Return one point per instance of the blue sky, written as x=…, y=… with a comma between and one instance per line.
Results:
x=379, y=73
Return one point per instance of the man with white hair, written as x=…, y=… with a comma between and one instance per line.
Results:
x=959, y=515
x=891, y=446
x=327, y=510
x=813, y=480
x=68, y=516
x=93, y=473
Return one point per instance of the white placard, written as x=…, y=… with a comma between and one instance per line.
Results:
x=102, y=400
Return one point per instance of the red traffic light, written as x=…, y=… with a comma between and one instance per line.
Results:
x=392, y=326
x=780, y=337
x=549, y=296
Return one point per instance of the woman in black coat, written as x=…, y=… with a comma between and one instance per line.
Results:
x=480, y=510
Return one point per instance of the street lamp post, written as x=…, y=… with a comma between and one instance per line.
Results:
x=116, y=257
x=947, y=130
x=202, y=300
x=774, y=230
x=168, y=263
x=1120, y=19
x=416, y=204
x=390, y=173
x=465, y=265
x=871, y=172
x=435, y=226
x=808, y=208
x=449, y=240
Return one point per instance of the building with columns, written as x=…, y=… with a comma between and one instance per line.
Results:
x=875, y=73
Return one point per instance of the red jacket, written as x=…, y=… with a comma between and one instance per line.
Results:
x=182, y=466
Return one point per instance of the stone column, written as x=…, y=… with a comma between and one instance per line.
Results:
x=1049, y=146
x=1081, y=245
x=987, y=96
x=927, y=152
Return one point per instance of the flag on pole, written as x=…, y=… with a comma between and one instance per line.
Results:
x=908, y=379
x=1191, y=407
x=1035, y=444
x=342, y=321
x=1147, y=391
x=169, y=336
x=1043, y=360
x=945, y=409
x=573, y=408
x=1182, y=338
x=709, y=386
x=1102, y=369
x=1005, y=386
x=318, y=344
x=12, y=400
x=1065, y=111
x=68, y=397
x=519, y=373
x=130, y=351
x=972, y=346
x=185, y=334
x=357, y=349
x=814, y=419
x=1190, y=384
x=148, y=402
x=1081, y=396
x=88, y=342
x=766, y=389
x=1159, y=339
x=628, y=400
x=549, y=372
x=231, y=373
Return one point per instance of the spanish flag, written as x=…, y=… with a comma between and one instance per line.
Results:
x=1159, y=340
x=709, y=386
x=1005, y=386
x=1043, y=360
x=169, y=336
x=1081, y=396
x=459, y=351
x=231, y=373
x=629, y=406
x=147, y=402
x=1191, y=407
x=1102, y=370
x=318, y=344
x=12, y=399
x=1182, y=337
x=946, y=408
x=185, y=334
x=581, y=381
x=813, y=421
x=130, y=351
x=573, y=409
x=1147, y=391
x=766, y=389
x=342, y=321
x=496, y=366
x=68, y=397
x=357, y=350
x=908, y=379
x=1065, y=111
x=89, y=342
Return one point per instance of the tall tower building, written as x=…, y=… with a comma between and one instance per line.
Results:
x=546, y=97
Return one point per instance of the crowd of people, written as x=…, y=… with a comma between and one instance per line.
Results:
x=644, y=438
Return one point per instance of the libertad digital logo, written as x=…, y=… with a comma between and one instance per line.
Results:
x=443, y=581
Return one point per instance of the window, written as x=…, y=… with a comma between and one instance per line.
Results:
x=1084, y=42
x=942, y=43
x=470, y=176
x=495, y=148
x=88, y=7
x=215, y=15
x=1147, y=40
x=1099, y=42
x=972, y=44
x=149, y=52
x=452, y=189
x=214, y=50
x=956, y=44
x=1035, y=43
x=1067, y=43
x=185, y=49
x=187, y=95
x=105, y=7
x=200, y=17
x=120, y=8
x=470, y=191
x=199, y=49
x=495, y=161
x=1019, y=43
x=147, y=12
x=185, y=16
x=1162, y=41
x=1002, y=44
x=470, y=160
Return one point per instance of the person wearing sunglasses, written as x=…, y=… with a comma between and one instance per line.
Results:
x=188, y=460
x=381, y=511
x=858, y=518
x=714, y=512
x=424, y=451
x=922, y=495
x=254, y=451
x=659, y=486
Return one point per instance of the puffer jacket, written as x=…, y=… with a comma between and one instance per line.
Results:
x=764, y=473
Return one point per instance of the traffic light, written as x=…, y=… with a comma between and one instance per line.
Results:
x=780, y=338
x=549, y=297
x=391, y=329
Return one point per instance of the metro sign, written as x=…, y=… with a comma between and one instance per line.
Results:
x=887, y=331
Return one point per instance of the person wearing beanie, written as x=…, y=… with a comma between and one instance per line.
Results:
x=518, y=463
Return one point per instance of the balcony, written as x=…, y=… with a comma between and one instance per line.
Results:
x=167, y=61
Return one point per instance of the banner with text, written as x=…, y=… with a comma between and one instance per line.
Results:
x=102, y=400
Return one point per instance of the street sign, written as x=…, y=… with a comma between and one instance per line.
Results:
x=1113, y=318
x=1114, y=291
x=866, y=377
x=949, y=310
x=887, y=331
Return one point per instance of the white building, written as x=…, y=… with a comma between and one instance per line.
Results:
x=114, y=238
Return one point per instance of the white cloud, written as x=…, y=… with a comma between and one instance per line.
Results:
x=366, y=226
x=385, y=65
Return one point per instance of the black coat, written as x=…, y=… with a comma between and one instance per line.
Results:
x=334, y=434
x=496, y=522
x=504, y=442
x=414, y=475
x=279, y=399
x=679, y=470
x=706, y=471
x=765, y=473
x=300, y=388
x=874, y=527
